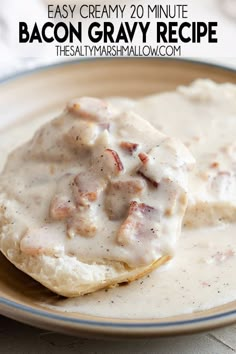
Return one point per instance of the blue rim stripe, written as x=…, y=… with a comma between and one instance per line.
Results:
x=33, y=311
x=98, y=323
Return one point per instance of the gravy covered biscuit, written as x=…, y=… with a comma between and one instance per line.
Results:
x=203, y=116
x=95, y=199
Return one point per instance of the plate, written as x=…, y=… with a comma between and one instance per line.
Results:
x=45, y=91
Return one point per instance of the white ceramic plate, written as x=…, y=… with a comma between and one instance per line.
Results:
x=41, y=93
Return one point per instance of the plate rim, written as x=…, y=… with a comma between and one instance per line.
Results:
x=39, y=68
x=113, y=327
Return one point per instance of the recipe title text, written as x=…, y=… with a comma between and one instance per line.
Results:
x=118, y=30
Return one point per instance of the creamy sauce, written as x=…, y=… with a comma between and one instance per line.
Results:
x=84, y=192
x=199, y=277
x=17, y=134
x=203, y=117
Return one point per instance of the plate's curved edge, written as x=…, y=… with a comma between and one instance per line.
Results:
x=116, y=328
x=39, y=68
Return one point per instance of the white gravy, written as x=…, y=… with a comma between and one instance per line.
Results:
x=199, y=277
x=76, y=179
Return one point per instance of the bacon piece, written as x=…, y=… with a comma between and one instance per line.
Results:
x=62, y=204
x=86, y=189
x=214, y=165
x=128, y=146
x=131, y=186
x=146, y=169
x=142, y=207
x=90, y=108
x=143, y=157
x=82, y=224
x=154, y=183
x=139, y=225
x=114, y=161
x=61, y=208
x=118, y=195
